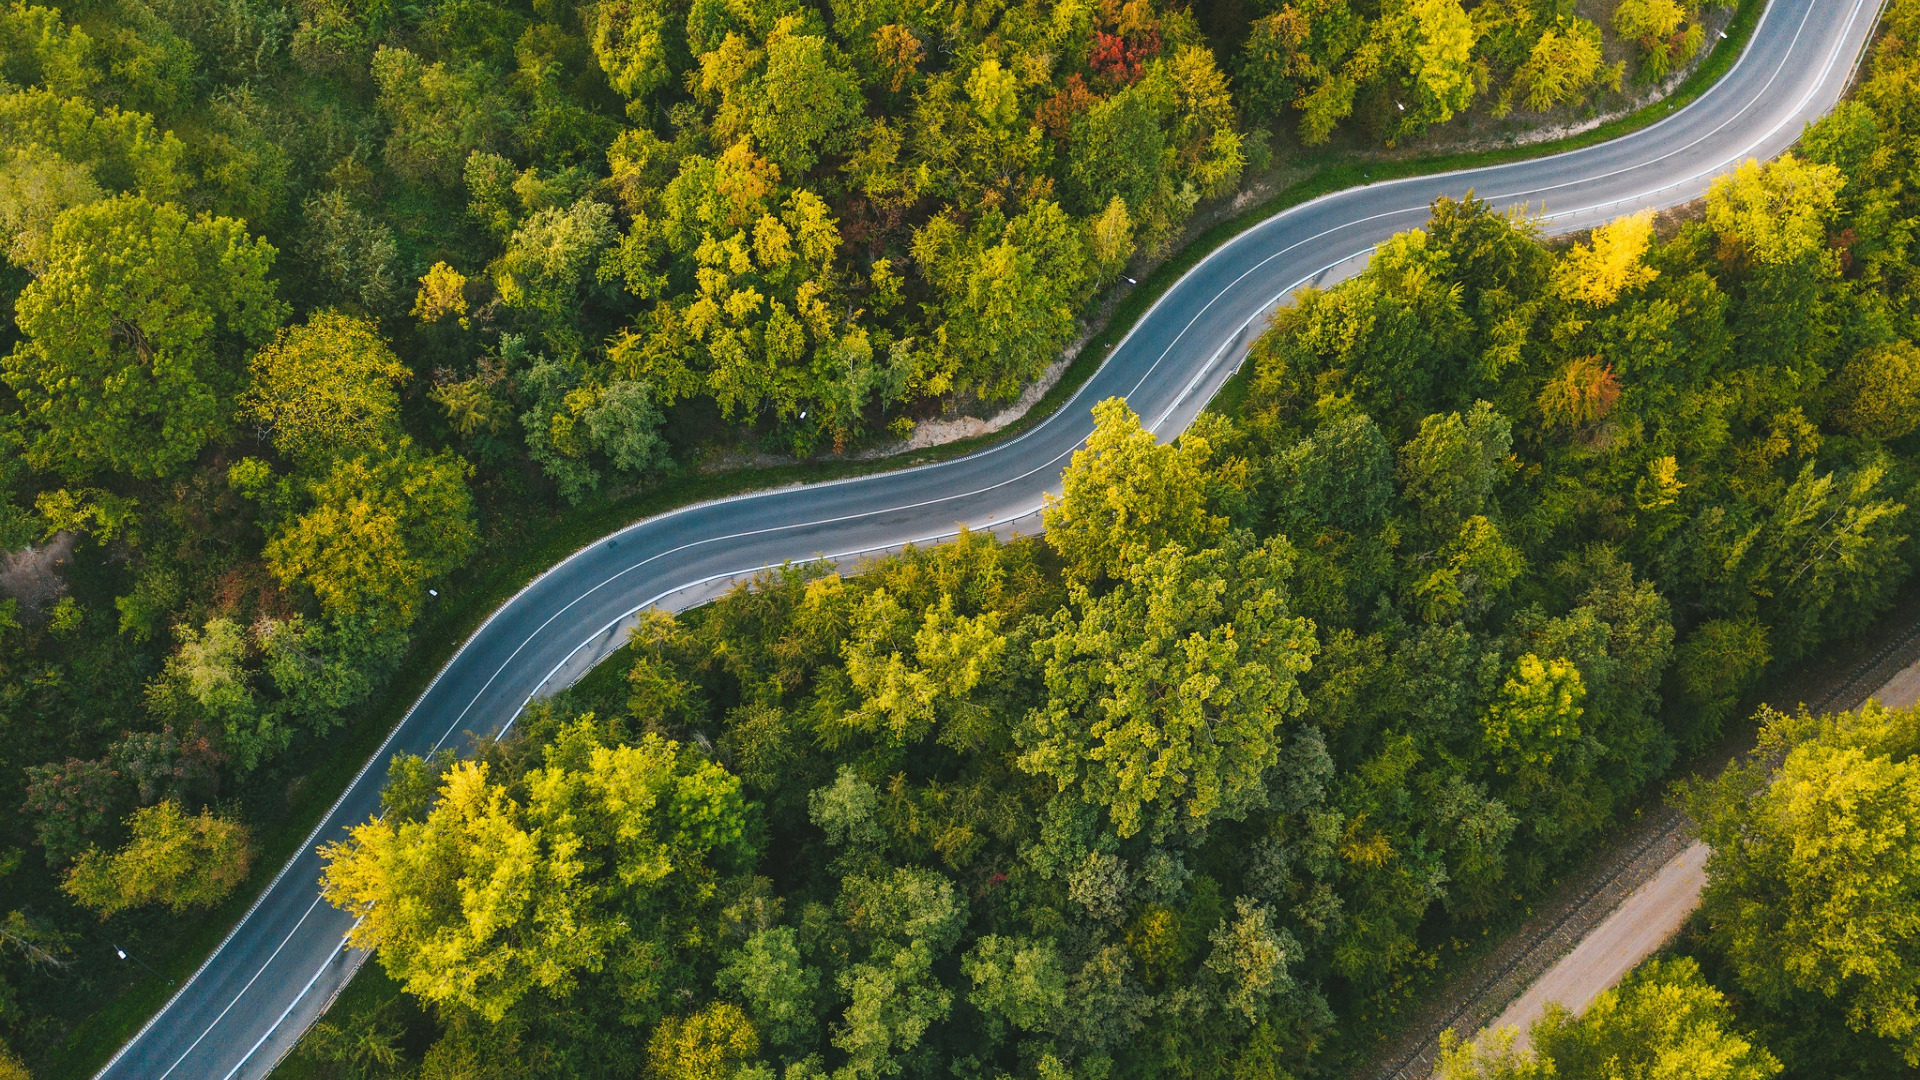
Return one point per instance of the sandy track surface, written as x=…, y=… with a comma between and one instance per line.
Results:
x=1632, y=896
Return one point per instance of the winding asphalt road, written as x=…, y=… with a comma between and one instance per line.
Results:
x=284, y=962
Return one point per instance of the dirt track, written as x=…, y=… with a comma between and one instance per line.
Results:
x=1632, y=895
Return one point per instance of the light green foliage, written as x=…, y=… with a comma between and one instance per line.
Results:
x=125, y=151
x=995, y=93
x=347, y=254
x=1125, y=496
x=1165, y=697
x=909, y=919
x=552, y=255
x=171, y=858
x=128, y=363
x=382, y=524
x=1468, y=572
x=208, y=679
x=496, y=896
x=847, y=811
x=634, y=42
x=909, y=675
x=326, y=385
x=38, y=49
x=801, y=104
x=1813, y=884
x=1536, y=714
x=1019, y=982
x=1250, y=956
x=778, y=988
x=36, y=186
x=1664, y=1020
x=439, y=114
x=893, y=1000
x=1007, y=291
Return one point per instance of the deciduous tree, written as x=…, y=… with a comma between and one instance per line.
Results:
x=172, y=858
x=130, y=360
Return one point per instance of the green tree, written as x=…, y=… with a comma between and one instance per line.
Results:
x=1125, y=496
x=908, y=920
x=383, y=523
x=124, y=151
x=440, y=114
x=1717, y=663
x=1451, y=470
x=131, y=337
x=767, y=974
x=1250, y=957
x=1018, y=982
x=172, y=858
x=1116, y=148
x=552, y=256
x=1879, y=392
x=326, y=385
x=1165, y=697
x=1006, y=294
x=1814, y=885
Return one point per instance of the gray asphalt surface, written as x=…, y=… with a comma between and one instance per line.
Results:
x=285, y=960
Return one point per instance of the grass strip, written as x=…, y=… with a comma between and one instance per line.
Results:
x=476, y=590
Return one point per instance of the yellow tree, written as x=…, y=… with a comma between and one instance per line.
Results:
x=1614, y=263
x=1565, y=61
x=1126, y=495
x=709, y=1045
x=326, y=384
x=1663, y=1021
x=494, y=896
x=1778, y=212
x=173, y=859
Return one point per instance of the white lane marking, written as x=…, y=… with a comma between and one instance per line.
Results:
x=1510, y=197
x=1832, y=59
x=243, y=990
x=297, y=999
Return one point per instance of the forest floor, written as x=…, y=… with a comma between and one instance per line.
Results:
x=1607, y=910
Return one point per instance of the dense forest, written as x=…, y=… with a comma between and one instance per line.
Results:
x=308, y=306
x=1273, y=716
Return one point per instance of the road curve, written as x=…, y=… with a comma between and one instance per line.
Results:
x=285, y=960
